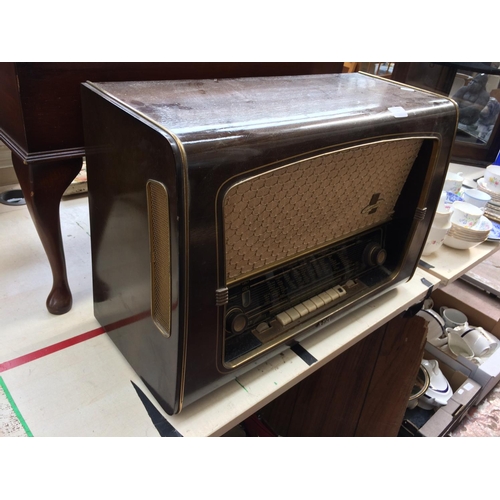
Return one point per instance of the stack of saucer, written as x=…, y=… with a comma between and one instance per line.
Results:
x=492, y=211
x=462, y=237
x=492, y=208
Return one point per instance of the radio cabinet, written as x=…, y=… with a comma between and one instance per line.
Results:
x=232, y=217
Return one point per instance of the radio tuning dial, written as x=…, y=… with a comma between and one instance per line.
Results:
x=236, y=321
x=374, y=254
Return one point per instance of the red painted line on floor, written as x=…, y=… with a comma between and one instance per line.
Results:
x=59, y=346
x=26, y=358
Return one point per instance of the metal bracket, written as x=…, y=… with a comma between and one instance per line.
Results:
x=221, y=296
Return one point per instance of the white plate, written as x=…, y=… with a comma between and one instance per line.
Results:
x=481, y=184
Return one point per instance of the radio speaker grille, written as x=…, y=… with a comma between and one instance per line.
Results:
x=159, y=244
x=296, y=209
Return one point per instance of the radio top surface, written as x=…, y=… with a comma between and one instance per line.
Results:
x=220, y=108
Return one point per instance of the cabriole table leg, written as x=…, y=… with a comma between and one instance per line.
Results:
x=43, y=185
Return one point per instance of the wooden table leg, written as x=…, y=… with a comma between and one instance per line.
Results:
x=43, y=185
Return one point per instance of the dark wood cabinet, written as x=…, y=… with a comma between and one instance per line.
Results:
x=362, y=392
x=41, y=123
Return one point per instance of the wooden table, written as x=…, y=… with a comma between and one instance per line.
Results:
x=40, y=121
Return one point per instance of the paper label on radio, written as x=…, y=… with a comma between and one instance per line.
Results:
x=398, y=112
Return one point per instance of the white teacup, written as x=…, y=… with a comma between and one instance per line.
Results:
x=475, y=339
x=492, y=340
x=453, y=182
x=492, y=178
x=435, y=239
x=453, y=317
x=443, y=219
x=458, y=346
x=476, y=197
x=465, y=214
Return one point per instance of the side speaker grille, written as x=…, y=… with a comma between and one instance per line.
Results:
x=159, y=245
x=301, y=207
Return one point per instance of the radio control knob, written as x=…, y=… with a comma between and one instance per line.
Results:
x=236, y=321
x=374, y=255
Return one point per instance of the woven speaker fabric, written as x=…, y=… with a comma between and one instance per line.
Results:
x=159, y=235
x=296, y=209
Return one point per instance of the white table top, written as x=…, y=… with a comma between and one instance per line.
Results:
x=448, y=264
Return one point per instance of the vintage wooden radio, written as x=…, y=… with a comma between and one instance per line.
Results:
x=230, y=216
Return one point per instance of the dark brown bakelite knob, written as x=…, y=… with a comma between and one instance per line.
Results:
x=374, y=255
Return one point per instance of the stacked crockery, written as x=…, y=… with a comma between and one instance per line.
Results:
x=490, y=184
x=440, y=226
x=492, y=210
x=469, y=227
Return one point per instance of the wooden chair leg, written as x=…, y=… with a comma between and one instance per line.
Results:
x=43, y=185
